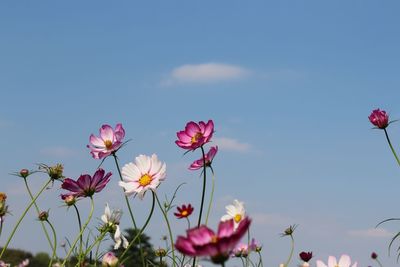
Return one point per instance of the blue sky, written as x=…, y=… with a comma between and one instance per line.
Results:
x=289, y=85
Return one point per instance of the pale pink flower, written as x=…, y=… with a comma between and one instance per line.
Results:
x=108, y=141
x=109, y=260
x=144, y=174
x=195, y=135
x=344, y=261
x=197, y=164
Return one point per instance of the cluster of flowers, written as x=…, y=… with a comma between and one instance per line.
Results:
x=143, y=175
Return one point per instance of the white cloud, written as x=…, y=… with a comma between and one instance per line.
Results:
x=371, y=232
x=205, y=73
x=230, y=144
x=57, y=151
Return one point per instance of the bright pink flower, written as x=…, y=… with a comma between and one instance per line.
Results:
x=109, y=141
x=86, y=185
x=197, y=164
x=379, y=118
x=184, y=211
x=203, y=241
x=195, y=135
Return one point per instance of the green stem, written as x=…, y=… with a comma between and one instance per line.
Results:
x=379, y=263
x=391, y=147
x=23, y=215
x=98, y=240
x=80, y=227
x=212, y=195
x=291, y=252
x=1, y=225
x=169, y=229
x=80, y=233
x=202, y=194
x=38, y=212
x=260, y=263
x=55, y=243
x=130, y=210
x=142, y=229
x=248, y=247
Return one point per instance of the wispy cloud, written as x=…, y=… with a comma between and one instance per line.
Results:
x=58, y=151
x=230, y=144
x=205, y=73
x=371, y=232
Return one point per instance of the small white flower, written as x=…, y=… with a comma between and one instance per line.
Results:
x=119, y=238
x=235, y=212
x=144, y=174
x=111, y=219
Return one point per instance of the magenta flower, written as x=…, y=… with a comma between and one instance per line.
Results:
x=109, y=141
x=195, y=135
x=379, y=118
x=197, y=164
x=203, y=241
x=86, y=185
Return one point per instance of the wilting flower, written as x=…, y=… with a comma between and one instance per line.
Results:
x=184, y=211
x=87, y=185
x=3, y=206
x=305, y=256
x=195, y=135
x=379, y=118
x=344, y=261
x=197, y=164
x=160, y=252
x=109, y=141
x=55, y=172
x=109, y=260
x=243, y=250
x=289, y=231
x=111, y=221
x=235, y=212
x=203, y=241
x=146, y=173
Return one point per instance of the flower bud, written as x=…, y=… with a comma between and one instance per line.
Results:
x=379, y=118
x=305, y=256
x=374, y=256
x=24, y=173
x=43, y=216
x=161, y=252
x=109, y=260
x=70, y=200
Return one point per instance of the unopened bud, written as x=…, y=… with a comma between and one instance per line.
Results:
x=109, y=260
x=43, y=216
x=161, y=252
x=24, y=173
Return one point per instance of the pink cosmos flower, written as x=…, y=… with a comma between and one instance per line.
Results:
x=146, y=173
x=184, y=211
x=379, y=118
x=109, y=141
x=197, y=164
x=195, y=135
x=344, y=261
x=86, y=185
x=203, y=241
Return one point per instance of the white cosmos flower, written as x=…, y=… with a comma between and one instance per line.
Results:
x=344, y=261
x=235, y=212
x=143, y=174
x=111, y=221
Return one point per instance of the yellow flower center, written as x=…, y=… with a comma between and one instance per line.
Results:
x=184, y=213
x=237, y=218
x=214, y=239
x=196, y=138
x=145, y=180
x=108, y=144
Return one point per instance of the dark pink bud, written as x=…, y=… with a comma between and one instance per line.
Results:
x=305, y=256
x=24, y=173
x=379, y=118
x=374, y=256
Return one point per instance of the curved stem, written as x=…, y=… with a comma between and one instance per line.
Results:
x=98, y=240
x=23, y=215
x=80, y=227
x=142, y=229
x=211, y=196
x=260, y=263
x=391, y=147
x=129, y=209
x=169, y=229
x=291, y=252
x=80, y=233
x=379, y=263
x=202, y=194
x=55, y=243
x=38, y=212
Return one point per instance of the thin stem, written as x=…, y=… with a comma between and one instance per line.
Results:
x=1, y=225
x=80, y=227
x=98, y=240
x=80, y=233
x=38, y=212
x=142, y=229
x=169, y=229
x=260, y=263
x=55, y=243
x=202, y=194
x=23, y=215
x=291, y=252
x=211, y=195
x=129, y=208
x=391, y=147
x=248, y=247
x=379, y=263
